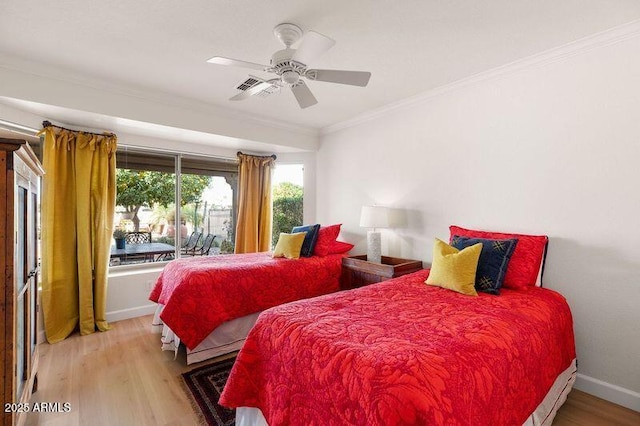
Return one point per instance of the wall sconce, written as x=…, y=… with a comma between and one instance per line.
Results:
x=374, y=217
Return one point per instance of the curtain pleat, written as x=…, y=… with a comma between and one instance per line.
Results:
x=78, y=206
x=253, y=231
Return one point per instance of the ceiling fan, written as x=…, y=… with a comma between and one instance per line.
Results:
x=290, y=67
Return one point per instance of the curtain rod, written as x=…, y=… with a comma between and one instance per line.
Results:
x=275, y=157
x=47, y=123
x=18, y=128
x=9, y=125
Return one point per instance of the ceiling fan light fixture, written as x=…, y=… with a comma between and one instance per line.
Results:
x=290, y=77
x=290, y=66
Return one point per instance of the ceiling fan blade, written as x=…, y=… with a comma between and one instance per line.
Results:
x=236, y=63
x=313, y=45
x=250, y=92
x=352, y=78
x=303, y=95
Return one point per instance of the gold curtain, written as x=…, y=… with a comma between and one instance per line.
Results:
x=253, y=231
x=78, y=205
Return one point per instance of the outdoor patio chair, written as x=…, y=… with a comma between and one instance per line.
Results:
x=205, y=248
x=137, y=237
x=191, y=243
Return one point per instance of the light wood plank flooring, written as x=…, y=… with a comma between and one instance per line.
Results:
x=121, y=377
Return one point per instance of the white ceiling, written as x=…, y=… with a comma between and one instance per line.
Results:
x=410, y=46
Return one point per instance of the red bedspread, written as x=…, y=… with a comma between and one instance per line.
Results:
x=200, y=293
x=402, y=352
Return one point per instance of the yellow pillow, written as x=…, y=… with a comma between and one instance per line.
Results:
x=454, y=269
x=289, y=245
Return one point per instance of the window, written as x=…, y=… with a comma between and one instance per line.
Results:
x=288, y=192
x=210, y=209
x=147, y=184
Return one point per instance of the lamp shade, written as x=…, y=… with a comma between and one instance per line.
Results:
x=374, y=217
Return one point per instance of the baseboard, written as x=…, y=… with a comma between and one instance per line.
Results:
x=613, y=393
x=124, y=314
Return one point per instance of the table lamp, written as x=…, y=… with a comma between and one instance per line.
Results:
x=374, y=217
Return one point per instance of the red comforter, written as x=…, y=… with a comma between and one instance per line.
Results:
x=200, y=293
x=402, y=352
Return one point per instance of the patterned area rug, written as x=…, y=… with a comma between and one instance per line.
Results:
x=206, y=384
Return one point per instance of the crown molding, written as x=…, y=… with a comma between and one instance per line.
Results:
x=578, y=47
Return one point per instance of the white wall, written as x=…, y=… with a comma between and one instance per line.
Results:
x=128, y=293
x=551, y=148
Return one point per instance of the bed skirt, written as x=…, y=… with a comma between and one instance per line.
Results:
x=228, y=337
x=542, y=416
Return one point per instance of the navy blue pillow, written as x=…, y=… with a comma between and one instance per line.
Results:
x=310, y=239
x=493, y=261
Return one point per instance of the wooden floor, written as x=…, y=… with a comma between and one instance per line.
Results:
x=121, y=377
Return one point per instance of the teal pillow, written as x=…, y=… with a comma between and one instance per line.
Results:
x=493, y=262
x=310, y=240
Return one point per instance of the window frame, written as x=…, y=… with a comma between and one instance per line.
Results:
x=231, y=177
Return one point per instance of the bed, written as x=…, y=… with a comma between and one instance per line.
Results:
x=210, y=303
x=403, y=352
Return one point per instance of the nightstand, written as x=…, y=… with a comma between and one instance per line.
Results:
x=357, y=272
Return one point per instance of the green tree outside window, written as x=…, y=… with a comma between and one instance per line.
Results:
x=143, y=188
x=287, y=208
